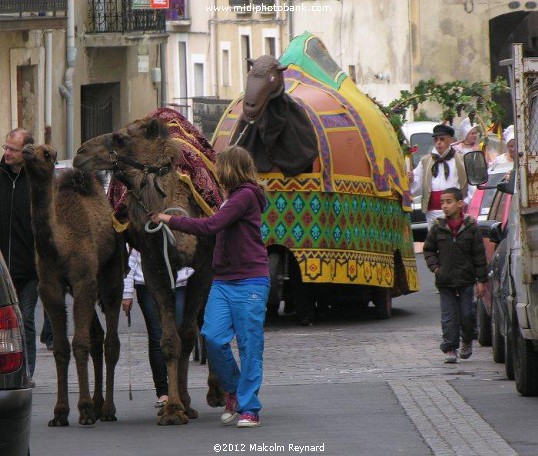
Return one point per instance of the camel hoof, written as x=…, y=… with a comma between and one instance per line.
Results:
x=108, y=413
x=58, y=422
x=172, y=419
x=191, y=413
x=98, y=405
x=215, y=397
x=86, y=420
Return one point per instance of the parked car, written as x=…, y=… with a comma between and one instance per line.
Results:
x=419, y=136
x=15, y=388
x=492, y=208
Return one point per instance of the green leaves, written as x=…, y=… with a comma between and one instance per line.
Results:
x=455, y=98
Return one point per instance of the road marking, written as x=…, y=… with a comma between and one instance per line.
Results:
x=447, y=423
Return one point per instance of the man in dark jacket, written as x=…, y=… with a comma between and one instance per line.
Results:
x=454, y=251
x=16, y=237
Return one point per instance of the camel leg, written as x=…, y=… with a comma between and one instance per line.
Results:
x=97, y=337
x=188, y=338
x=85, y=295
x=112, y=350
x=53, y=299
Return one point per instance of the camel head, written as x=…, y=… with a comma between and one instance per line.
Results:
x=145, y=141
x=39, y=160
x=265, y=81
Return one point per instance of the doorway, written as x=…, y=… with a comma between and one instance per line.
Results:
x=516, y=27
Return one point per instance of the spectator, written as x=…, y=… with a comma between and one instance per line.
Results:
x=135, y=281
x=16, y=236
x=509, y=140
x=435, y=172
x=470, y=137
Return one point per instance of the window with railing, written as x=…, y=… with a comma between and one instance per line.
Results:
x=32, y=7
x=118, y=16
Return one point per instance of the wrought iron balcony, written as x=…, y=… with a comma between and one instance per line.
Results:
x=38, y=8
x=119, y=16
x=23, y=15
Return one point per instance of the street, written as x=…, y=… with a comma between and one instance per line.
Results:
x=345, y=386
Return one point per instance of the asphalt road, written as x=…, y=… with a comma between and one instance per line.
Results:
x=350, y=385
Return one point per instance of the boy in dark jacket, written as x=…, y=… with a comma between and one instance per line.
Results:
x=454, y=252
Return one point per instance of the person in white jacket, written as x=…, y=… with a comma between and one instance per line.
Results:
x=135, y=282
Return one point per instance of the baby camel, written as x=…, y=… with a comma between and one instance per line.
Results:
x=78, y=252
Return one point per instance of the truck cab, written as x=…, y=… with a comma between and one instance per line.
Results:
x=520, y=325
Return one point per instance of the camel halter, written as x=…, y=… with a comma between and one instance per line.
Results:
x=167, y=237
x=159, y=171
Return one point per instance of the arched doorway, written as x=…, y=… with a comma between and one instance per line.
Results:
x=504, y=30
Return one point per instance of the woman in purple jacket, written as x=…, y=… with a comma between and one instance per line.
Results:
x=238, y=296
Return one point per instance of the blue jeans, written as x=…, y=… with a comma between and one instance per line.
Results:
x=153, y=326
x=458, y=312
x=237, y=307
x=27, y=294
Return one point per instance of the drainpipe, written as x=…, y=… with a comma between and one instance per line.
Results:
x=66, y=89
x=164, y=88
x=213, y=48
x=48, y=87
x=290, y=22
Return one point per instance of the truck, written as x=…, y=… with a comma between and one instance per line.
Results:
x=515, y=275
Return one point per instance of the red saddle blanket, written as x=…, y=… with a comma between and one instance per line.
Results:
x=196, y=165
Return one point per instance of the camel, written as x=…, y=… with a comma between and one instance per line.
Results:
x=78, y=252
x=144, y=157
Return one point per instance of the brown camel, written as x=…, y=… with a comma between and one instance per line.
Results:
x=143, y=155
x=77, y=251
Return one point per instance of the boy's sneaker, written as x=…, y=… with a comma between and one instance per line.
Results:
x=451, y=357
x=466, y=350
x=230, y=411
x=248, y=419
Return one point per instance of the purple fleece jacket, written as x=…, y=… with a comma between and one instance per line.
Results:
x=239, y=251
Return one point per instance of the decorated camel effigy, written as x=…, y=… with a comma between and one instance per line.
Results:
x=339, y=200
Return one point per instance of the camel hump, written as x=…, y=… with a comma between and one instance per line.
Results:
x=84, y=183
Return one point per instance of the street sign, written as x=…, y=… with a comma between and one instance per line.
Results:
x=157, y=4
x=150, y=4
x=140, y=4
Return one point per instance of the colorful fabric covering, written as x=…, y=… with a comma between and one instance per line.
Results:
x=387, y=167
x=196, y=166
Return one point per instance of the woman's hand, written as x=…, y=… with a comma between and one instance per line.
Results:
x=126, y=305
x=480, y=289
x=159, y=217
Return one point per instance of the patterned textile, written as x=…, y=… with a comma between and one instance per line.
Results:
x=196, y=166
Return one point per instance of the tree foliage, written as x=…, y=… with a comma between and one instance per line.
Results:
x=455, y=98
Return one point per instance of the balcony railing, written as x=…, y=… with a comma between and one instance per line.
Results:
x=32, y=7
x=118, y=16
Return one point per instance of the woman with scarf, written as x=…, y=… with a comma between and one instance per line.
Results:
x=441, y=169
x=470, y=135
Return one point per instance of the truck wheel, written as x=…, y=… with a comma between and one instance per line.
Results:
x=525, y=364
x=497, y=340
x=382, y=300
x=484, y=324
x=276, y=291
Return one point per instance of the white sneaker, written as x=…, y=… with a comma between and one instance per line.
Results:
x=451, y=357
x=466, y=350
x=230, y=411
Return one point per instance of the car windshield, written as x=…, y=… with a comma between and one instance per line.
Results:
x=424, y=143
